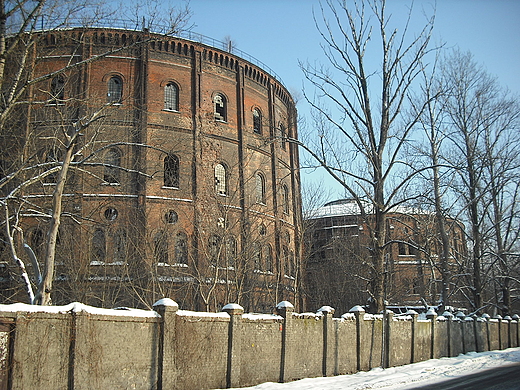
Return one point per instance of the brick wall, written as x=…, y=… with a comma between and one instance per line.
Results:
x=81, y=347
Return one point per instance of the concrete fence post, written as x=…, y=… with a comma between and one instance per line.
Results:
x=460, y=318
x=388, y=318
x=500, y=335
x=414, y=316
x=235, y=312
x=509, y=332
x=285, y=309
x=449, y=324
x=328, y=356
x=516, y=318
x=359, y=313
x=432, y=316
x=166, y=372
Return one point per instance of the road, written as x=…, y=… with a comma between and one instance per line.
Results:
x=500, y=378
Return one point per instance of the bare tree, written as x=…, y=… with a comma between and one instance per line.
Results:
x=363, y=132
x=484, y=122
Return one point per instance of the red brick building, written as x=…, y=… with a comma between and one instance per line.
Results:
x=186, y=188
x=338, y=259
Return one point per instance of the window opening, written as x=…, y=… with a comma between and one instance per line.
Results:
x=285, y=194
x=115, y=90
x=219, y=103
x=120, y=246
x=220, y=180
x=257, y=121
x=171, y=171
x=181, y=248
x=112, y=164
x=98, y=249
x=111, y=214
x=171, y=217
x=57, y=89
x=171, y=97
x=260, y=188
x=161, y=248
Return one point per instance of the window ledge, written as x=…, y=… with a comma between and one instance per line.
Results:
x=168, y=110
x=177, y=265
x=110, y=184
x=96, y=263
x=169, y=188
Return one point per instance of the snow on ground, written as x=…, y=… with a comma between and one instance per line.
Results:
x=405, y=377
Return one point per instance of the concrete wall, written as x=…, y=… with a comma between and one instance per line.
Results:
x=81, y=347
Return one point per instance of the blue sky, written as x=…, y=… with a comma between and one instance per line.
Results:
x=281, y=32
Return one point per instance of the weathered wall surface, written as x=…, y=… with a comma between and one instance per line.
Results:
x=80, y=347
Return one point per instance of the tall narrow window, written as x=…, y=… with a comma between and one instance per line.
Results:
x=171, y=97
x=220, y=180
x=57, y=89
x=120, y=246
x=285, y=195
x=257, y=121
x=160, y=250
x=181, y=248
x=98, y=247
x=220, y=109
x=115, y=90
x=260, y=188
x=231, y=251
x=171, y=171
x=257, y=256
x=111, y=166
x=214, y=249
x=283, y=135
x=268, y=253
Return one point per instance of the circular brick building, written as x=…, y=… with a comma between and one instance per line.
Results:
x=188, y=185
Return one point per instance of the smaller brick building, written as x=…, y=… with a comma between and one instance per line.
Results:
x=338, y=260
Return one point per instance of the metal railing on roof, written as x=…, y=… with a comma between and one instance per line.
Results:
x=183, y=34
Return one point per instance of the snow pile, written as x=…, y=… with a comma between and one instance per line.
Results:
x=405, y=377
x=76, y=307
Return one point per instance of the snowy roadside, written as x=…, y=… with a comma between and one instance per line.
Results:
x=405, y=377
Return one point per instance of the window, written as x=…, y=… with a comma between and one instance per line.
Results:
x=283, y=136
x=260, y=188
x=214, y=249
x=257, y=121
x=120, y=246
x=171, y=171
x=115, y=90
x=268, y=258
x=231, y=251
x=57, y=89
x=220, y=109
x=112, y=164
x=403, y=249
x=171, y=97
x=52, y=159
x=257, y=256
x=220, y=180
x=181, y=248
x=98, y=247
x=37, y=242
x=111, y=214
x=285, y=195
x=160, y=249
x=171, y=217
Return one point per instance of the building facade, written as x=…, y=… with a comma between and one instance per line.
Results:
x=187, y=186
x=338, y=261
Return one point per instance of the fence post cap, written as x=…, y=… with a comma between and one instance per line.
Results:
x=233, y=308
x=516, y=317
x=166, y=303
x=357, y=309
x=508, y=318
x=486, y=316
x=326, y=309
x=285, y=305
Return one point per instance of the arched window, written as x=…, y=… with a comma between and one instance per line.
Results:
x=231, y=251
x=257, y=256
x=111, y=165
x=220, y=107
x=220, y=180
x=257, y=121
x=120, y=246
x=57, y=89
x=214, y=249
x=171, y=171
x=260, y=188
x=98, y=247
x=285, y=195
x=160, y=249
x=268, y=254
x=283, y=135
x=171, y=97
x=115, y=90
x=181, y=248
